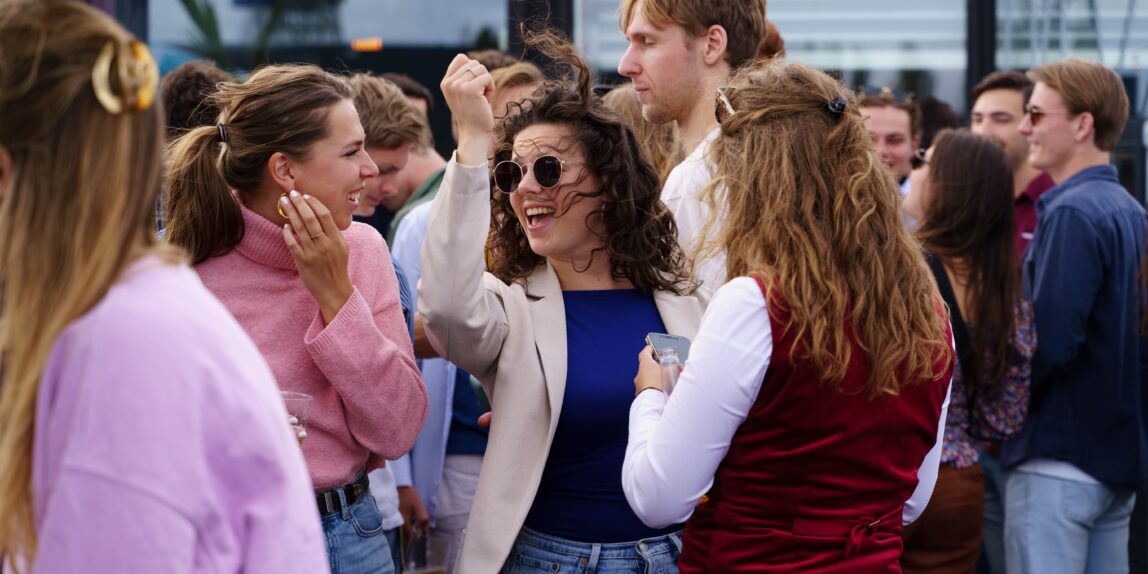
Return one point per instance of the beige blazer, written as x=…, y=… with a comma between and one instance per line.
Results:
x=513, y=339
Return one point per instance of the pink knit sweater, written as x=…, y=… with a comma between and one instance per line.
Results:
x=369, y=397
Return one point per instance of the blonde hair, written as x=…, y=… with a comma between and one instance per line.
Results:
x=389, y=119
x=79, y=209
x=513, y=76
x=809, y=208
x=743, y=21
x=1089, y=87
x=658, y=141
x=281, y=108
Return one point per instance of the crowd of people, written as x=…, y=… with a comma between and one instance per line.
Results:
x=909, y=346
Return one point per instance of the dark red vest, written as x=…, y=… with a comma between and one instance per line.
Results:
x=815, y=478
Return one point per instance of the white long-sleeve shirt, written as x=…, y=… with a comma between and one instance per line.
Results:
x=682, y=196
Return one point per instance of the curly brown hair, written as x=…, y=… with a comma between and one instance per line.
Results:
x=640, y=234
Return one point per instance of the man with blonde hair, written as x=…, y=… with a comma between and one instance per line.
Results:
x=1082, y=454
x=679, y=54
x=512, y=85
x=394, y=127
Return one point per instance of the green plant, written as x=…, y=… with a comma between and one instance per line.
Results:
x=260, y=55
x=208, y=43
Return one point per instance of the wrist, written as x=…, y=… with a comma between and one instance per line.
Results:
x=473, y=149
x=650, y=388
x=333, y=303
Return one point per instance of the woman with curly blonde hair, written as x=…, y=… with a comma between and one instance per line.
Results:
x=818, y=381
x=140, y=429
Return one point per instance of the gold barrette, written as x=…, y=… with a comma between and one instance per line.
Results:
x=138, y=78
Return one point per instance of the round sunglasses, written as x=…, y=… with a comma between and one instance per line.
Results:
x=547, y=172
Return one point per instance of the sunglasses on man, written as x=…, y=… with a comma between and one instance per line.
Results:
x=1035, y=114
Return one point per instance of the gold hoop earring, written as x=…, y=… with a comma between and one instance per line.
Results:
x=279, y=206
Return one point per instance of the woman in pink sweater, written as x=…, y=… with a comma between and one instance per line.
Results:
x=263, y=202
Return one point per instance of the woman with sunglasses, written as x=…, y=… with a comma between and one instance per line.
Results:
x=584, y=266
x=805, y=427
x=962, y=195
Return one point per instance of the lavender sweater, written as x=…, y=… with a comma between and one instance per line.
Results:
x=369, y=397
x=161, y=443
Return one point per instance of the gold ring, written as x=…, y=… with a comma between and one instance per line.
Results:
x=316, y=236
x=473, y=73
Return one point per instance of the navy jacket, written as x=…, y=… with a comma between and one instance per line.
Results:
x=1088, y=389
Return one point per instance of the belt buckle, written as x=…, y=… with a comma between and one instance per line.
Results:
x=329, y=499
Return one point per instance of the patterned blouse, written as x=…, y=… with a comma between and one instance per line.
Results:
x=998, y=414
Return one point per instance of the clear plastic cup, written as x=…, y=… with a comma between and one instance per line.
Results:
x=298, y=405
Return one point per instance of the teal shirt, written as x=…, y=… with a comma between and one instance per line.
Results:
x=423, y=194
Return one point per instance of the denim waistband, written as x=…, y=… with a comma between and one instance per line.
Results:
x=647, y=547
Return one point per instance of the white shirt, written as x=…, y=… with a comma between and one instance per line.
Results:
x=682, y=195
x=676, y=444
x=386, y=495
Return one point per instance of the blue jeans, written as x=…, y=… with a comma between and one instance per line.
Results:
x=537, y=552
x=356, y=540
x=995, y=483
x=393, y=541
x=1064, y=526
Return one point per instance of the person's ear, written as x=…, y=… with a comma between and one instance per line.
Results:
x=6, y=168
x=1084, y=127
x=279, y=169
x=716, y=44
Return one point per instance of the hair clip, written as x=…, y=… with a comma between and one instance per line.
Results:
x=222, y=132
x=836, y=107
x=140, y=78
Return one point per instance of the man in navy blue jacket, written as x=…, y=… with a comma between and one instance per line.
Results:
x=1082, y=454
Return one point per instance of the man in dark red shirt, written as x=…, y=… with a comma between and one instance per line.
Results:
x=998, y=108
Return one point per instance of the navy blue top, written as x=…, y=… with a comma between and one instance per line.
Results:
x=1080, y=272
x=465, y=436
x=580, y=497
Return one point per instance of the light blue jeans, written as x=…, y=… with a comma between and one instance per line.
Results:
x=1064, y=526
x=356, y=540
x=535, y=552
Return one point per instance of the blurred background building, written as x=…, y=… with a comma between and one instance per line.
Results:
x=929, y=47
